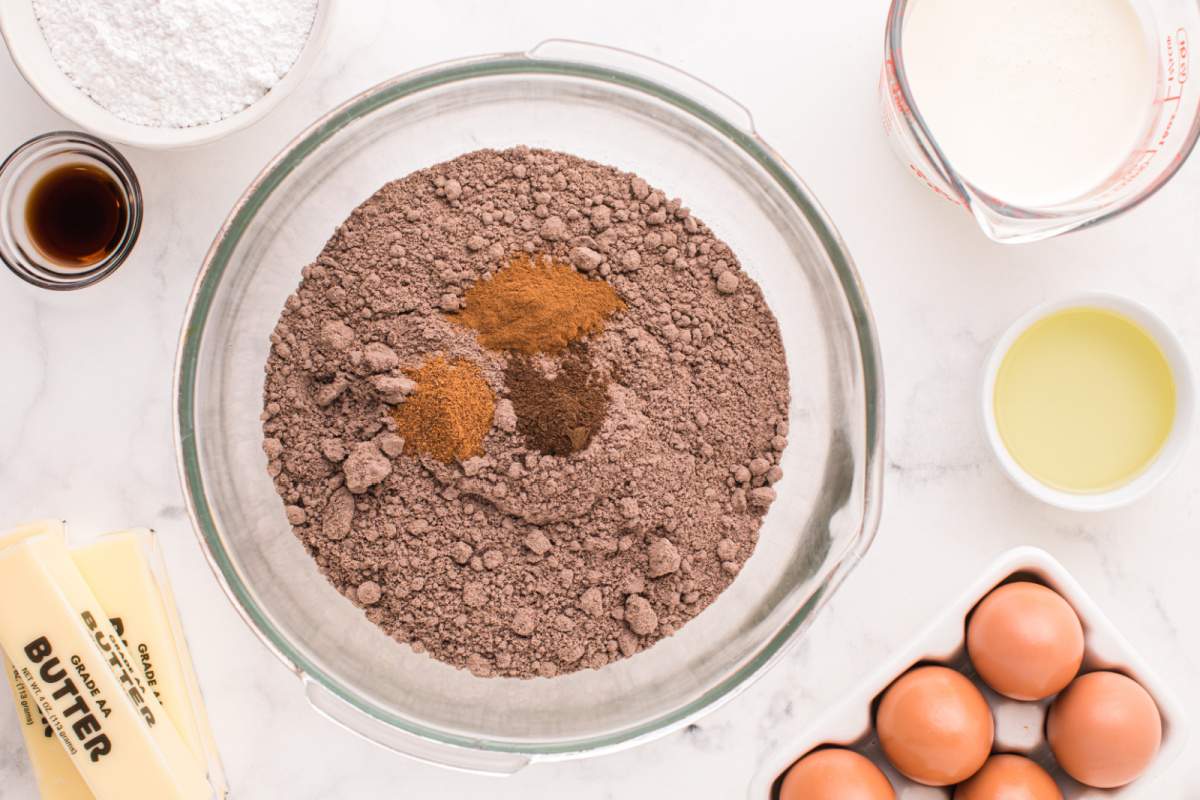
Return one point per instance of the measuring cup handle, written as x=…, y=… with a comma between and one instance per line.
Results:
x=481, y=762
x=639, y=66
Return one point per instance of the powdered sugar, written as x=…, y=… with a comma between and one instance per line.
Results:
x=175, y=63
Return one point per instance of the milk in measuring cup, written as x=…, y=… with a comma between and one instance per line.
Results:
x=1035, y=102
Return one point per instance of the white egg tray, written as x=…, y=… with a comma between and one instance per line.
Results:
x=1019, y=726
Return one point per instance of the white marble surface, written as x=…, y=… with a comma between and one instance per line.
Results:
x=85, y=411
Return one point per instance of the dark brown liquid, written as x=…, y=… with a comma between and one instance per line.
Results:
x=76, y=215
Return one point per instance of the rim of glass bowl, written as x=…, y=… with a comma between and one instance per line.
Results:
x=403, y=86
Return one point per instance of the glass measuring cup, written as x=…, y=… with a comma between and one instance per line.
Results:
x=1172, y=128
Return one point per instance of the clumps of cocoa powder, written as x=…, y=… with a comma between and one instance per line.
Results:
x=505, y=559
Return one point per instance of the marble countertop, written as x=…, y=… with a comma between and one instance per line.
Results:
x=85, y=395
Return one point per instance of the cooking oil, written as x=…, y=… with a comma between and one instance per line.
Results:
x=1084, y=400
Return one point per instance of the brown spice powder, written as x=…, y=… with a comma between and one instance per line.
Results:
x=537, y=306
x=557, y=415
x=449, y=413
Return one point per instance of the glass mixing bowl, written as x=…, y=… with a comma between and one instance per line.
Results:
x=692, y=142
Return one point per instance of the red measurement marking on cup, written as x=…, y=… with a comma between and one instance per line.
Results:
x=900, y=105
x=939, y=191
x=1137, y=165
x=894, y=89
x=1182, y=37
x=1178, y=53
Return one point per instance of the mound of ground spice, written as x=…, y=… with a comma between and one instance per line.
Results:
x=557, y=414
x=449, y=412
x=515, y=562
x=537, y=306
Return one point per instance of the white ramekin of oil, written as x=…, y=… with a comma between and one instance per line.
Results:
x=1088, y=401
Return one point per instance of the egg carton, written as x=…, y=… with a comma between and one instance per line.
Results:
x=1019, y=726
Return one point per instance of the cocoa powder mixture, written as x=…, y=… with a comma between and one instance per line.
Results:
x=623, y=481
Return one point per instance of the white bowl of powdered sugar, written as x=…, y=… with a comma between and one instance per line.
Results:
x=163, y=74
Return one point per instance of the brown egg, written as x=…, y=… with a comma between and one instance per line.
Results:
x=1025, y=641
x=1006, y=777
x=835, y=774
x=935, y=726
x=1104, y=729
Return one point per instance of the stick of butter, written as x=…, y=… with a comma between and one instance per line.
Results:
x=126, y=573
x=77, y=673
x=56, y=776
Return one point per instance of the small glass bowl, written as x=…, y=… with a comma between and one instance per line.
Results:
x=21, y=171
